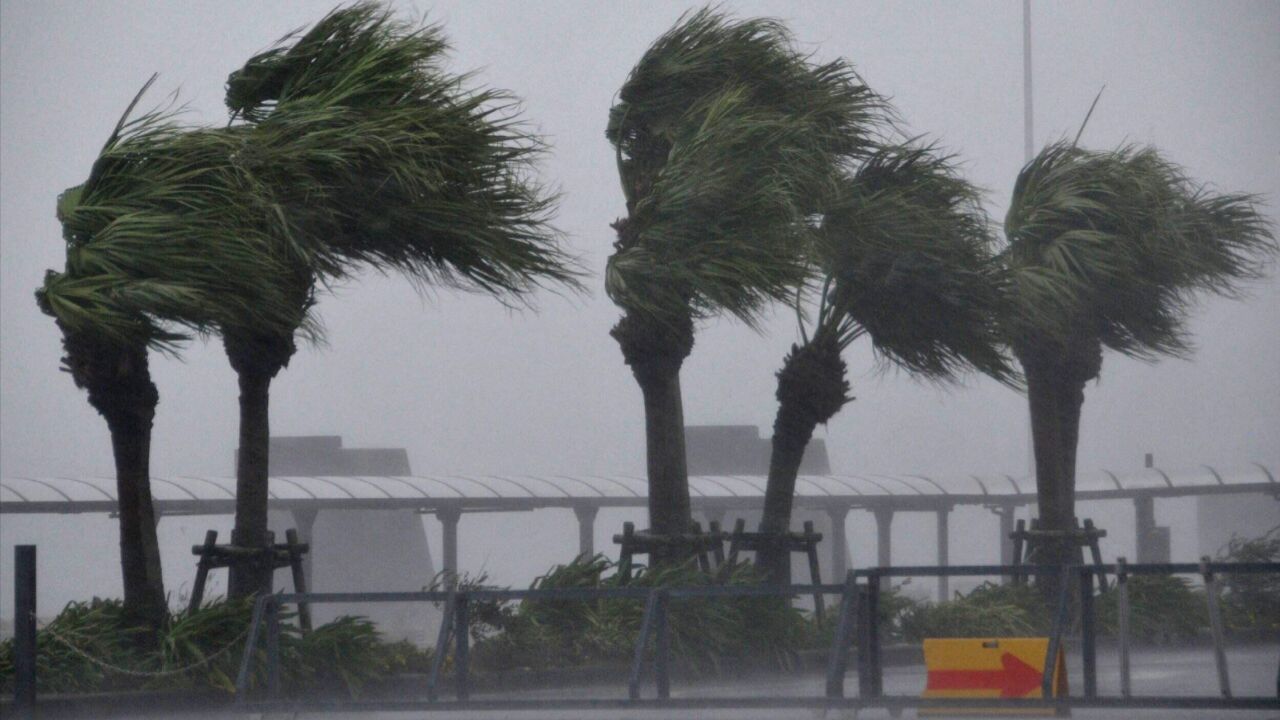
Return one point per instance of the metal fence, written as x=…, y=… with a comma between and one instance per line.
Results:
x=858, y=619
x=871, y=669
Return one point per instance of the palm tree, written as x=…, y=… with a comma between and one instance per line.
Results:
x=365, y=154
x=1109, y=249
x=727, y=139
x=131, y=273
x=904, y=254
x=374, y=155
x=118, y=382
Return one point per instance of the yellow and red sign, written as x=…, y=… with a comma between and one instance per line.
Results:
x=989, y=668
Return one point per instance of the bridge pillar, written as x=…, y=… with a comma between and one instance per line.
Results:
x=586, y=515
x=449, y=517
x=884, y=521
x=1152, y=541
x=1005, y=513
x=839, y=543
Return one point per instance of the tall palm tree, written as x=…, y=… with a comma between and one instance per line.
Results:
x=1109, y=249
x=132, y=273
x=905, y=257
x=375, y=155
x=727, y=139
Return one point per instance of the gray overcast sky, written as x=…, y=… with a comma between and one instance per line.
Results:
x=470, y=387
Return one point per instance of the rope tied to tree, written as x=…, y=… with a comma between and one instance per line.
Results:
x=111, y=667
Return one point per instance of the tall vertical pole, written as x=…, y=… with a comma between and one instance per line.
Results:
x=24, y=630
x=1028, y=126
x=1028, y=151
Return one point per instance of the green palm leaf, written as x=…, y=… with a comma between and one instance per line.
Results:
x=359, y=150
x=728, y=141
x=1116, y=245
x=417, y=172
x=907, y=255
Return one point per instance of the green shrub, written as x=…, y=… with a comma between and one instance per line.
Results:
x=703, y=631
x=1162, y=608
x=201, y=649
x=210, y=641
x=1252, y=602
x=93, y=628
x=349, y=653
x=989, y=610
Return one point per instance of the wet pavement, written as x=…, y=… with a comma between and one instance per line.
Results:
x=1184, y=672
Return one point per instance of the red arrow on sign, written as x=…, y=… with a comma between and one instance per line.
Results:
x=1015, y=678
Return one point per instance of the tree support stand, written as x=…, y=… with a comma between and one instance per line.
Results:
x=276, y=556
x=802, y=542
x=644, y=542
x=1029, y=545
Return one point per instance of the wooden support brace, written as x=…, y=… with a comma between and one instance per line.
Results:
x=815, y=574
x=202, y=570
x=717, y=550
x=299, y=578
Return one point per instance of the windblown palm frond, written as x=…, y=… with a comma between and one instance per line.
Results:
x=907, y=258
x=1116, y=244
x=418, y=173
x=728, y=141
x=357, y=56
x=166, y=232
x=724, y=218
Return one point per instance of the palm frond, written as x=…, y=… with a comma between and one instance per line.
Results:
x=907, y=253
x=1118, y=244
x=728, y=142
x=166, y=230
x=417, y=172
x=102, y=308
x=358, y=149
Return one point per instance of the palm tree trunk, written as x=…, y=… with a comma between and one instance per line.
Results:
x=669, y=505
x=655, y=349
x=256, y=360
x=1070, y=403
x=1081, y=366
x=1056, y=378
x=811, y=390
x=791, y=435
x=119, y=384
x=1056, y=512
x=1044, y=395
x=144, y=596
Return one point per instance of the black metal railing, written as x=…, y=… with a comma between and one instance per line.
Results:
x=871, y=669
x=858, y=620
x=654, y=628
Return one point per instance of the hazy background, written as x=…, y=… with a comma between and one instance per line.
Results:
x=470, y=387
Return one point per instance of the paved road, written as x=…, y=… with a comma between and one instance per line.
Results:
x=1181, y=672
